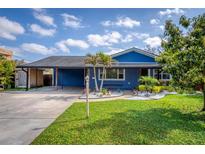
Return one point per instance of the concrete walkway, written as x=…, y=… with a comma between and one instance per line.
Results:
x=154, y=97
x=24, y=115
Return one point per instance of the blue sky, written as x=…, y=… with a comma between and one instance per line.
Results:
x=37, y=33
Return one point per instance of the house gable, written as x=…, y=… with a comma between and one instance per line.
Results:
x=134, y=55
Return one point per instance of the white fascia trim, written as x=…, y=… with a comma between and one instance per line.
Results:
x=135, y=50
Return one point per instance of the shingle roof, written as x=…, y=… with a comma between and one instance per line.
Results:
x=78, y=61
x=58, y=61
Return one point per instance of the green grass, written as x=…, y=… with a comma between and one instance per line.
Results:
x=174, y=119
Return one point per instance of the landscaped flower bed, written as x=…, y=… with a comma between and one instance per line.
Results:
x=103, y=94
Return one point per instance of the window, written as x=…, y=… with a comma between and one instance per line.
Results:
x=144, y=72
x=158, y=74
x=113, y=74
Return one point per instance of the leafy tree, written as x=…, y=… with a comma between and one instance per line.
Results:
x=7, y=68
x=184, y=52
x=94, y=61
x=105, y=61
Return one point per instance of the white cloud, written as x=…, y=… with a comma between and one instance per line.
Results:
x=115, y=37
x=71, y=21
x=153, y=42
x=141, y=35
x=9, y=29
x=107, y=23
x=62, y=46
x=122, y=22
x=130, y=37
x=169, y=12
x=77, y=43
x=65, y=44
x=45, y=19
x=113, y=50
x=98, y=40
x=161, y=27
x=37, y=48
x=154, y=21
x=42, y=31
x=39, y=10
x=104, y=40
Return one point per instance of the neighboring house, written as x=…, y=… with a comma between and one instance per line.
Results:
x=20, y=75
x=124, y=73
x=35, y=76
x=6, y=53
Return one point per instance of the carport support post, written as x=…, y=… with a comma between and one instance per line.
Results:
x=87, y=96
x=56, y=78
x=27, y=78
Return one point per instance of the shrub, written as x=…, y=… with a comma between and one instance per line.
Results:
x=164, y=82
x=148, y=82
x=141, y=88
x=190, y=91
x=104, y=91
x=7, y=68
x=168, y=88
x=185, y=91
x=157, y=89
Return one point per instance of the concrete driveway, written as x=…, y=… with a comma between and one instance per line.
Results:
x=24, y=115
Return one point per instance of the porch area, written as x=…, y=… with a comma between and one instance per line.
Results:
x=125, y=78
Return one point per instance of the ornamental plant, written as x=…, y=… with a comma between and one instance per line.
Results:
x=148, y=82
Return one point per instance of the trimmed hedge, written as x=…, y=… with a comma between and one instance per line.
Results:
x=156, y=89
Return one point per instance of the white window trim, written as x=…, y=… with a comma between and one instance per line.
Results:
x=149, y=72
x=112, y=79
x=161, y=75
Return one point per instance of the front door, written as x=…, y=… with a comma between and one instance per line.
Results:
x=144, y=72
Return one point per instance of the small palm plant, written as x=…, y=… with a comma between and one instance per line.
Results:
x=106, y=62
x=148, y=82
x=94, y=61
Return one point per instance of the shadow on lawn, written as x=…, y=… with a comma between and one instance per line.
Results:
x=141, y=127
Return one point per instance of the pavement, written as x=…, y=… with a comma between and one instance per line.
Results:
x=24, y=115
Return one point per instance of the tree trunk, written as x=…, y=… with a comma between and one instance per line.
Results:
x=203, y=109
x=87, y=97
x=96, y=84
x=103, y=75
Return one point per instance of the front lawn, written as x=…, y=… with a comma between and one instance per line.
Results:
x=172, y=120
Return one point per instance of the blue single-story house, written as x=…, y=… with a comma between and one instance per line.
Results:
x=125, y=72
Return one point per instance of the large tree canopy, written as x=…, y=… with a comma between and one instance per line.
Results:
x=7, y=68
x=183, y=53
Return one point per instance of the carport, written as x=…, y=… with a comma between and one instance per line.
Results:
x=71, y=77
x=67, y=71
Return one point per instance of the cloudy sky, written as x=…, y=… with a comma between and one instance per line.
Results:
x=37, y=33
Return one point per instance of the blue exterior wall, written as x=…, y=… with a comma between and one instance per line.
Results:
x=75, y=77
x=130, y=82
x=131, y=74
x=133, y=57
x=71, y=77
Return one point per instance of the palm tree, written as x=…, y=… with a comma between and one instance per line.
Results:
x=106, y=62
x=93, y=60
